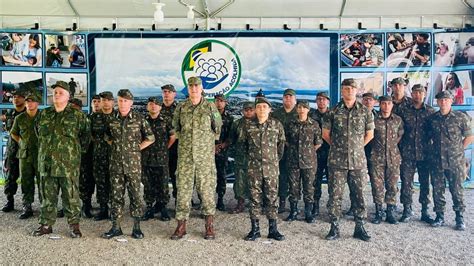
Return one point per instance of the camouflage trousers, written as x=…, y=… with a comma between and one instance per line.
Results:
x=283, y=185
x=407, y=174
x=28, y=173
x=263, y=189
x=203, y=176
x=357, y=179
x=120, y=182
x=384, y=178
x=101, y=174
x=173, y=166
x=156, y=185
x=13, y=173
x=302, y=178
x=455, y=178
x=49, y=187
x=221, y=164
x=241, y=183
x=321, y=173
x=86, y=178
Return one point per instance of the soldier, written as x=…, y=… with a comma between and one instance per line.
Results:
x=155, y=163
x=95, y=103
x=451, y=133
x=76, y=103
x=128, y=133
x=400, y=101
x=197, y=125
x=237, y=134
x=303, y=140
x=414, y=148
x=12, y=164
x=322, y=102
x=63, y=134
x=347, y=129
x=265, y=143
x=285, y=114
x=101, y=153
x=222, y=149
x=384, y=160
x=23, y=132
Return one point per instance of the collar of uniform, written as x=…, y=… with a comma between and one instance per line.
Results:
x=357, y=105
x=159, y=117
x=307, y=121
x=423, y=106
x=390, y=117
x=174, y=104
x=129, y=115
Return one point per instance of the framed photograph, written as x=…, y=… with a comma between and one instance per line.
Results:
x=19, y=80
x=459, y=83
x=65, y=51
x=361, y=50
x=408, y=49
x=77, y=83
x=366, y=82
x=21, y=49
x=454, y=49
x=411, y=78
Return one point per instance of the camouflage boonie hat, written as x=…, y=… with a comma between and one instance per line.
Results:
x=398, y=80
x=248, y=104
x=368, y=94
x=76, y=101
x=96, y=97
x=194, y=81
x=125, y=93
x=418, y=87
x=349, y=82
x=154, y=100
x=62, y=84
x=168, y=87
x=385, y=98
x=303, y=103
x=262, y=100
x=35, y=97
x=444, y=95
x=323, y=94
x=106, y=95
x=220, y=96
x=289, y=92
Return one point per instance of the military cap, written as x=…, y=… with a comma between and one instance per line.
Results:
x=349, y=82
x=27, y=87
x=125, y=93
x=385, y=98
x=76, y=101
x=262, y=100
x=289, y=92
x=194, y=81
x=398, y=80
x=220, y=96
x=248, y=104
x=368, y=94
x=168, y=87
x=260, y=94
x=154, y=100
x=323, y=94
x=20, y=92
x=96, y=97
x=418, y=87
x=303, y=103
x=62, y=84
x=106, y=95
x=34, y=96
x=444, y=94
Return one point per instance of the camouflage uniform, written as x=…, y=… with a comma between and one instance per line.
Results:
x=167, y=114
x=265, y=144
x=322, y=154
x=62, y=137
x=398, y=108
x=126, y=134
x=448, y=162
x=385, y=159
x=86, y=179
x=197, y=128
x=301, y=162
x=414, y=148
x=222, y=157
x=237, y=138
x=12, y=164
x=347, y=161
x=155, y=164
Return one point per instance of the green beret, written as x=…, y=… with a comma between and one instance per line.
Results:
x=125, y=93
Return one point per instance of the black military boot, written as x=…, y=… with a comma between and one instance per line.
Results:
x=103, y=213
x=60, y=213
x=460, y=226
x=220, y=203
x=10, y=205
x=254, y=232
x=333, y=232
x=315, y=210
x=390, y=218
x=425, y=216
x=378, y=214
x=149, y=213
x=114, y=231
x=27, y=211
x=308, y=214
x=164, y=215
x=293, y=212
x=359, y=231
x=86, y=208
x=439, y=221
x=281, y=206
x=273, y=231
x=136, y=232
x=407, y=214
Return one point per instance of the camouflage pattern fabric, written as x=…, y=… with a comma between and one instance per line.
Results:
x=222, y=156
x=237, y=139
x=86, y=178
x=12, y=164
x=322, y=154
x=167, y=114
x=399, y=108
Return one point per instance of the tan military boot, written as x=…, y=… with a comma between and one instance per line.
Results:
x=210, y=234
x=180, y=230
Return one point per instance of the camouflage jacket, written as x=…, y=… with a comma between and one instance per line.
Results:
x=447, y=133
x=384, y=145
x=265, y=144
x=99, y=123
x=126, y=134
x=285, y=118
x=347, y=130
x=398, y=108
x=301, y=138
x=368, y=146
x=237, y=140
x=62, y=137
x=24, y=127
x=323, y=151
x=12, y=146
x=167, y=113
x=227, y=121
x=157, y=153
x=415, y=144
